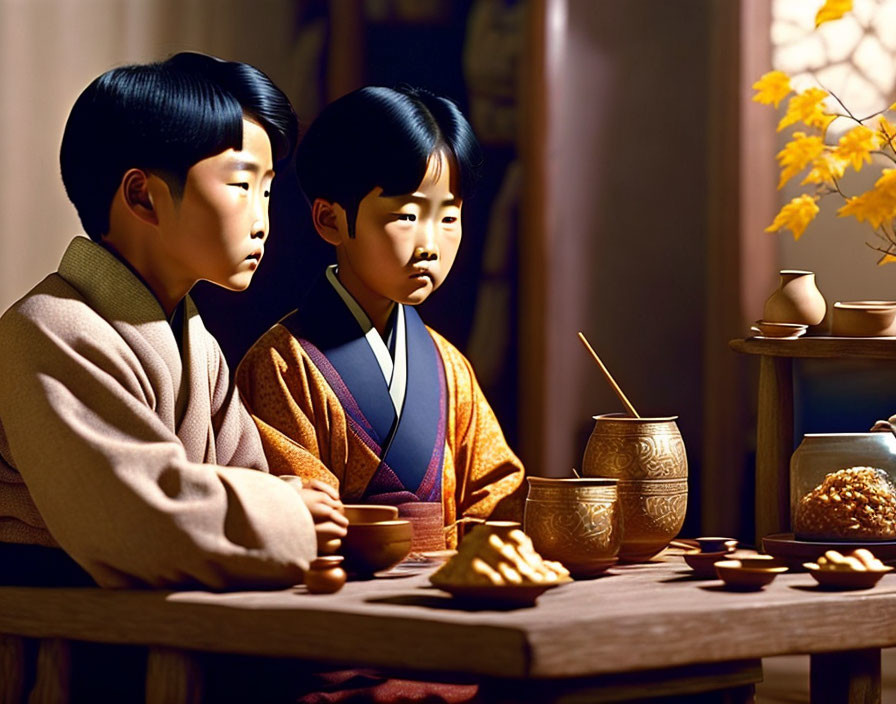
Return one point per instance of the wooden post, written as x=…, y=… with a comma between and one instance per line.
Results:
x=52, y=681
x=12, y=669
x=173, y=677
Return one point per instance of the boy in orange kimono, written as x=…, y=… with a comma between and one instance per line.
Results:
x=352, y=388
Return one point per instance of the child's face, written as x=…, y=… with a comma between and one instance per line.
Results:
x=404, y=246
x=216, y=231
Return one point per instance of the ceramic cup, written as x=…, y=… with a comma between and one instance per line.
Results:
x=575, y=522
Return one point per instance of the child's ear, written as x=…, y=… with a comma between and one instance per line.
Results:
x=136, y=191
x=329, y=220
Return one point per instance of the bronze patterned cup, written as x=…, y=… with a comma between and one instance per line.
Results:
x=635, y=448
x=653, y=512
x=575, y=522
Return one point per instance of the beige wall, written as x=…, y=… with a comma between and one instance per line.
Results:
x=51, y=49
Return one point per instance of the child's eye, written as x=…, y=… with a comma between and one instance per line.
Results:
x=267, y=194
x=407, y=217
x=244, y=185
x=449, y=219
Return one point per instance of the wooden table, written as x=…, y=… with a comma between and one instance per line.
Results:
x=774, y=424
x=608, y=637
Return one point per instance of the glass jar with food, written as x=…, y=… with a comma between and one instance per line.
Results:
x=842, y=487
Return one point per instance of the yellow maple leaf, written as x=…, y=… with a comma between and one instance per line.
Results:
x=826, y=168
x=772, y=88
x=855, y=146
x=807, y=107
x=887, y=129
x=796, y=215
x=886, y=259
x=797, y=154
x=832, y=10
x=875, y=206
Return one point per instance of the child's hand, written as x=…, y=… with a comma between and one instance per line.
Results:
x=328, y=514
x=884, y=425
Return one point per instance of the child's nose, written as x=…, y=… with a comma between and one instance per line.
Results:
x=427, y=242
x=425, y=254
x=260, y=221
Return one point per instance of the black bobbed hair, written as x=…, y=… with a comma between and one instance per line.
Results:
x=383, y=137
x=164, y=117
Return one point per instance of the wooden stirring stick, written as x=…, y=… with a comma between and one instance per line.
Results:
x=630, y=409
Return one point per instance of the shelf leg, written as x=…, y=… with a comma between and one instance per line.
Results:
x=774, y=446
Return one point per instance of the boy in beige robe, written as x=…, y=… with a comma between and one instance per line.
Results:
x=121, y=440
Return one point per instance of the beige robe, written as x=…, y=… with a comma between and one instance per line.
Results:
x=143, y=466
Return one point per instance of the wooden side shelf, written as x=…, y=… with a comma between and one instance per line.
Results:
x=820, y=347
x=774, y=423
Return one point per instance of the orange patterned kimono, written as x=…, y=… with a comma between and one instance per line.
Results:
x=305, y=429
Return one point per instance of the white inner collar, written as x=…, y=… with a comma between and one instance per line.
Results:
x=394, y=370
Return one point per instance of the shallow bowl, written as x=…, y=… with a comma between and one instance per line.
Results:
x=759, y=561
x=736, y=576
x=845, y=579
x=704, y=563
x=370, y=513
x=372, y=547
x=864, y=319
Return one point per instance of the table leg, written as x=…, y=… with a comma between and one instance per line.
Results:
x=52, y=680
x=12, y=669
x=849, y=677
x=173, y=677
x=774, y=446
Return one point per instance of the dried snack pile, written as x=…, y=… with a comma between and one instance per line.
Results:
x=484, y=558
x=860, y=560
x=857, y=503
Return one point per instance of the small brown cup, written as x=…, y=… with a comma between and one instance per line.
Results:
x=325, y=575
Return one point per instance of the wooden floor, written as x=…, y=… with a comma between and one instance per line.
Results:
x=786, y=679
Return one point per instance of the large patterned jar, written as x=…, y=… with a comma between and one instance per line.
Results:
x=648, y=458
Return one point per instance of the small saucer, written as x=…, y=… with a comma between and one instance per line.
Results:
x=703, y=563
x=742, y=578
x=845, y=579
x=505, y=596
x=787, y=331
